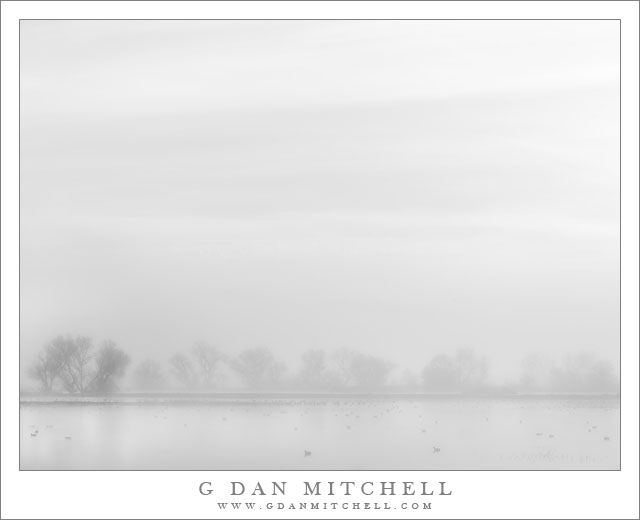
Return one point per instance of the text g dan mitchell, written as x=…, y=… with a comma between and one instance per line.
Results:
x=329, y=488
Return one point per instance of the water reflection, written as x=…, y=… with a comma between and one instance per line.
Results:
x=331, y=434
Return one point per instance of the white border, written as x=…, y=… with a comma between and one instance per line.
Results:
x=174, y=494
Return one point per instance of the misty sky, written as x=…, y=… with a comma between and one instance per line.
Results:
x=402, y=188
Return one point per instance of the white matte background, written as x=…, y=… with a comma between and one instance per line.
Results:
x=174, y=494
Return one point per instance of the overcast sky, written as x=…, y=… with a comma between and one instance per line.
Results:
x=403, y=188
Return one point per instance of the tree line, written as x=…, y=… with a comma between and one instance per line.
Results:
x=74, y=365
x=205, y=367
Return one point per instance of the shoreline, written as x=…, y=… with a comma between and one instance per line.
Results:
x=254, y=397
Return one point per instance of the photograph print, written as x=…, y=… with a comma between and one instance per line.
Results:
x=319, y=245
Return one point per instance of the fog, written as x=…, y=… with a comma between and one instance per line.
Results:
x=402, y=189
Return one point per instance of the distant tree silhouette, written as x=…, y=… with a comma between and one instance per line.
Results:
x=369, y=372
x=77, y=354
x=536, y=373
x=440, y=374
x=65, y=360
x=315, y=373
x=207, y=358
x=583, y=373
x=341, y=359
x=602, y=378
x=463, y=372
x=471, y=369
x=258, y=368
x=149, y=376
x=49, y=363
x=183, y=370
x=111, y=364
x=313, y=370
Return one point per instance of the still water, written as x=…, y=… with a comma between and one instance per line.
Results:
x=321, y=434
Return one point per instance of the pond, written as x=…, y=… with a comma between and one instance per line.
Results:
x=320, y=433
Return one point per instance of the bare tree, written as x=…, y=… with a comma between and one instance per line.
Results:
x=183, y=370
x=77, y=355
x=111, y=364
x=48, y=365
x=258, y=368
x=207, y=358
